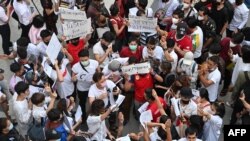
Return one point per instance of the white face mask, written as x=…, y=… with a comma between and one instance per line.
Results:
x=174, y=20
x=200, y=18
x=231, y=44
x=185, y=5
x=10, y=127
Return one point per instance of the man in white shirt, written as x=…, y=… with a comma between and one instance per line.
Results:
x=103, y=49
x=191, y=135
x=141, y=5
x=169, y=6
x=46, y=36
x=152, y=51
x=210, y=79
x=83, y=72
x=240, y=18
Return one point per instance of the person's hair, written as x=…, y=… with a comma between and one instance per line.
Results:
x=22, y=52
x=132, y=60
x=162, y=133
x=62, y=106
x=214, y=59
x=220, y=108
x=215, y=48
x=205, y=10
x=238, y=38
x=97, y=107
x=192, y=22
x=83, y=53
x=22, y=42
x=190, y=131
x=3, y=124
x=166, y=66
x=143, y=3
x=149, y=93
x=108, y=36
x=196, y=122
x=170, y=43
x=15, y=67
x=151, y=40
x=140, y=13
x=239, y=2
x=21, y=87
x=38, y=21
x=45, y=33
x=245, y=50
x=204, y=93
x=97, y=76
x=54, y=114
x=246, y=32
x=132, y=39
x=37, y=98
x=114, y=9
x=179, y=13
x=163, y=118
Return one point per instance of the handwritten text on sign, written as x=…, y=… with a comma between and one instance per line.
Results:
x=141, y=68
x=69, y=14
x=142, y=24
x=73, y=30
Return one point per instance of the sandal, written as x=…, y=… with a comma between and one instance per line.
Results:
x=223, y=92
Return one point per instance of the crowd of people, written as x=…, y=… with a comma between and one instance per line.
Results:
x=198, y=47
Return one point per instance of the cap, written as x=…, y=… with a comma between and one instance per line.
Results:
x=186, y=92
x=29, y=76
x=1, y=70
x=188, y=58
x=150, y=13
x=114, y=65
x=181, y=30
x=52, y=134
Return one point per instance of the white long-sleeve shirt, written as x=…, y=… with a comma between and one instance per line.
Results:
x=169, y=6
x=23, y=12
x=240, y=17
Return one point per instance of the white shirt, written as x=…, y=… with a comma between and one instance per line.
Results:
x=84, y=79
x=3, y=17
x=65, y=88
x=214, y=76
x=97, y=127
x=174, y=63
x=23, y=12
x=240, y=17
x=193, y=13
x=157, y=53
x=211, y=128
x=123, y=61
x=170, y=6
x=95, y=92
x=133, y=11
x=154, y=135
x=13, y=81
x=185, y=139
x=42, y=48
x=98, y=50
x=197, y=41
x=39, y=112
x=189, y=109
x=239, y=66
x=31, y=49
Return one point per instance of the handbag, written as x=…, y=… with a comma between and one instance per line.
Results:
x=36, y=131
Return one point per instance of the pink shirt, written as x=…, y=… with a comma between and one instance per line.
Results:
x=34, y=34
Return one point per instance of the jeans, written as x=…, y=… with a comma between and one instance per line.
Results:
x=5, y=33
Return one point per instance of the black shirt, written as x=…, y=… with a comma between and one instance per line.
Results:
x=220, y=17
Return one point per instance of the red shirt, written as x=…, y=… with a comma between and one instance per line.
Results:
x=185, y=43
x=225, y=47
x=74, y=50
x=126, y=52
x=154, y=109
x=141, y=83
x=119, y=21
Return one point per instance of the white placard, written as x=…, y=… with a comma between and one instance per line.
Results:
x=70, y=14
x=175, y=105
x=141, y=68
x=101, y=31
x=120, y=99
x=73, y=30
x=78, y=114
x=53, y=48
x=125, y=138
x=143, y=107
x=145, y=117
x=46, y=67
x=142, y=24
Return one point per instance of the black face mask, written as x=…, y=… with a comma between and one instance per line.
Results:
x=184, y=102
x=75, y=43
x=104, y=47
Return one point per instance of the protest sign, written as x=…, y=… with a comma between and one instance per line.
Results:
x=145, y=117
x=69, y=14
x=53, y=48
x=141, y=68
x=142, y=24
x=73, y=30
x=67, y=3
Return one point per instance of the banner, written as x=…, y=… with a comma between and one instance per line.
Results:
x=69, y=14
x=73, y=30
x=142, y=24
x=141, y=68
x=53, y=48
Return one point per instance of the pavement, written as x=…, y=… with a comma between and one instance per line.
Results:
x=133, y=125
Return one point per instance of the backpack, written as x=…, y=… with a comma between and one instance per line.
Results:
x=230, y=10
x=36, y=131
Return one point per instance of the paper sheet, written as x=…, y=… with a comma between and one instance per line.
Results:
x=143, y=107
x=78, y=114
x=175, y=105
x=46, y=67
x=146, y=117
x=120, y=99
x=125, y=138
x=53, y=48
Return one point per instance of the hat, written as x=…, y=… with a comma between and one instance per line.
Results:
x=29, y=76
x=150, y=13
x=181, y=30
x=114, y=65
x=186, y=92
x=188, y=58
x=52, y=134
x=1, y=70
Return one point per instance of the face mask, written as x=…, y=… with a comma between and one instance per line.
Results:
x=185, y=102
x=200, y=18
x=104, y=84
x=174, y=20
x=133, y=47
x=10, y=127
x=85, y=63
x=231, y=44
x=185, y=5
x=75, y=43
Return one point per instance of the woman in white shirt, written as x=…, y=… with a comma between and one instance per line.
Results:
x=5, y=28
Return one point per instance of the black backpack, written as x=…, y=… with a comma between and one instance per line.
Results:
x=230, y=10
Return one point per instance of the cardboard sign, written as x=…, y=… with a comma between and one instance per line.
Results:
x=69, y=14
x=73, y=30
x=53, y=48
x=142, y=24
x=141, y=68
